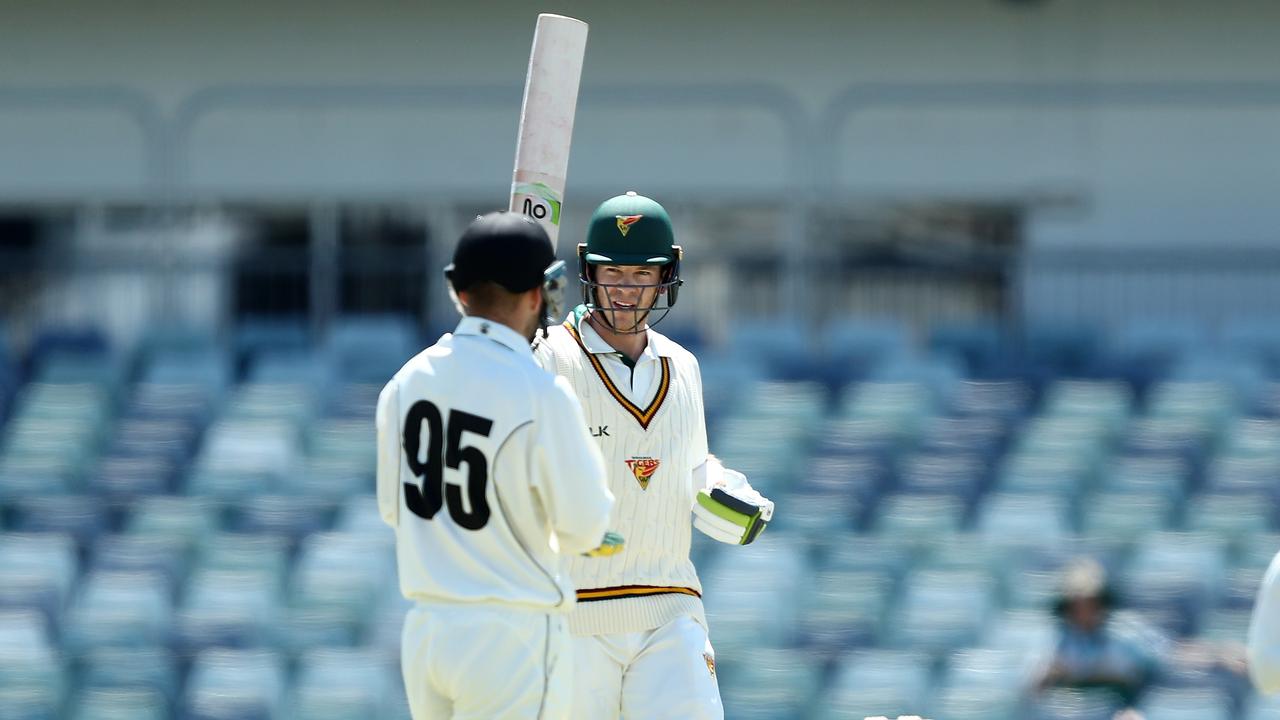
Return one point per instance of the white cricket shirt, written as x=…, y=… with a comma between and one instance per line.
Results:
x=650, y=426
x=485, y=471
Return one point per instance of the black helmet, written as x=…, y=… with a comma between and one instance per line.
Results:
x=511, y=250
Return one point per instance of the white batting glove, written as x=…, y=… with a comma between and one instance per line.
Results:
x=728, y=509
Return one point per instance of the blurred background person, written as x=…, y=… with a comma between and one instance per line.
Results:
x=1092, y=651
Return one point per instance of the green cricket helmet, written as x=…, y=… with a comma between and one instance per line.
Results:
x=631, y=229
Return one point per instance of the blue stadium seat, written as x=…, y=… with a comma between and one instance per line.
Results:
x=126, y=478
x=24, y=628
x=854, y=346
x=889, y=682
x=171, y=440
x=918, y=517
x=211, y=370
x=942, y=609
x=186, y=519
x=235, y=685
x=80, y=517
x=371, y=348
x=771, y=683
x=783, y=345
x=189, y=404
x=343, y=684
x=161, y=555
x=37, y=571
x=1186, y=704
x=121, y=704
x=291, y=516
x=747, y=615
x=1000, y=399
x=120, y=609
x=229, y=608
x=984, y=437
x=844, y=608
x=979, y=345
x=1072, y=704
x=1019, y=519
x=957, y=475
x=256, y=335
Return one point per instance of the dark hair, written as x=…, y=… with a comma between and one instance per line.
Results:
x=490, y=298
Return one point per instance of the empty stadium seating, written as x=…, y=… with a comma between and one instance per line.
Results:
x=187, y=528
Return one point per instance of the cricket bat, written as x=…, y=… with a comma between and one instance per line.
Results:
x=546, y=120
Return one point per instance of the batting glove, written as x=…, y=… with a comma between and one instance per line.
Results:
x=612, y=544
x=728, y=509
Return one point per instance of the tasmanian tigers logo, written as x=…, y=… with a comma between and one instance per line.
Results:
x=643, y=468
x=626, y=221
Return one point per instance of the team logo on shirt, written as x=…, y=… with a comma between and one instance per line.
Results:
x=711, y=663
x=643, y=468
x=626, y=221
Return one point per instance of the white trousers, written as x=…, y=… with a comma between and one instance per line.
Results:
x=482, y=662
x=660, y=674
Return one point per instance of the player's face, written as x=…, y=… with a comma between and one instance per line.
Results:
x=628, y=292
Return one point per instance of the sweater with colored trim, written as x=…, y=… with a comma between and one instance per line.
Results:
x=652, y=437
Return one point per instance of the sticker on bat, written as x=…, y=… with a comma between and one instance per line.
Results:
x=538, y=200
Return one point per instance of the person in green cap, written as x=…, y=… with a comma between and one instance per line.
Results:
x=640, y=643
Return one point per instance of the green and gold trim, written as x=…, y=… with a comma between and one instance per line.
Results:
x=643, y=416
x=628, y=591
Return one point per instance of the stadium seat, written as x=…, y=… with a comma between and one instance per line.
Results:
x=1232, y=516
x=1000, y=399
x=942, y=609
x=1024, y=519
x=151, y=668
x=1031, y=633
x=24, y=628
x=121, y=704
x=1125, y=517
x=169, y=440
x=371, y=348
x=229, y=608
x=256, y=335
x=889, y=682
x=844, y=608
x=343, y=684
x=1071, y=704
x=747, y=615
x=291, y=516
x=856, y=345
x=125, y=478
x=983, y=437
x=235, y=684
x=120, y=609
x=187, y=519
x=770, y=683
x=1213, y=403
x=1186, y=704
x=958, y=475
x=209, y=369
x=918, y=518
x=37, y=571
x=80, y=517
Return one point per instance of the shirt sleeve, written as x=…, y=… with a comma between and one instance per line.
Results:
x=569, y=472
x=1264, y=632
x=700, y=449
x=388, y=473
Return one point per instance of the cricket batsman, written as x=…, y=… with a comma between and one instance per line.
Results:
x=640, y=639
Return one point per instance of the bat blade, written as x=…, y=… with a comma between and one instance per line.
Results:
x=546, y=120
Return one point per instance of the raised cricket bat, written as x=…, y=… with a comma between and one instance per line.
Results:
x=546, y=120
